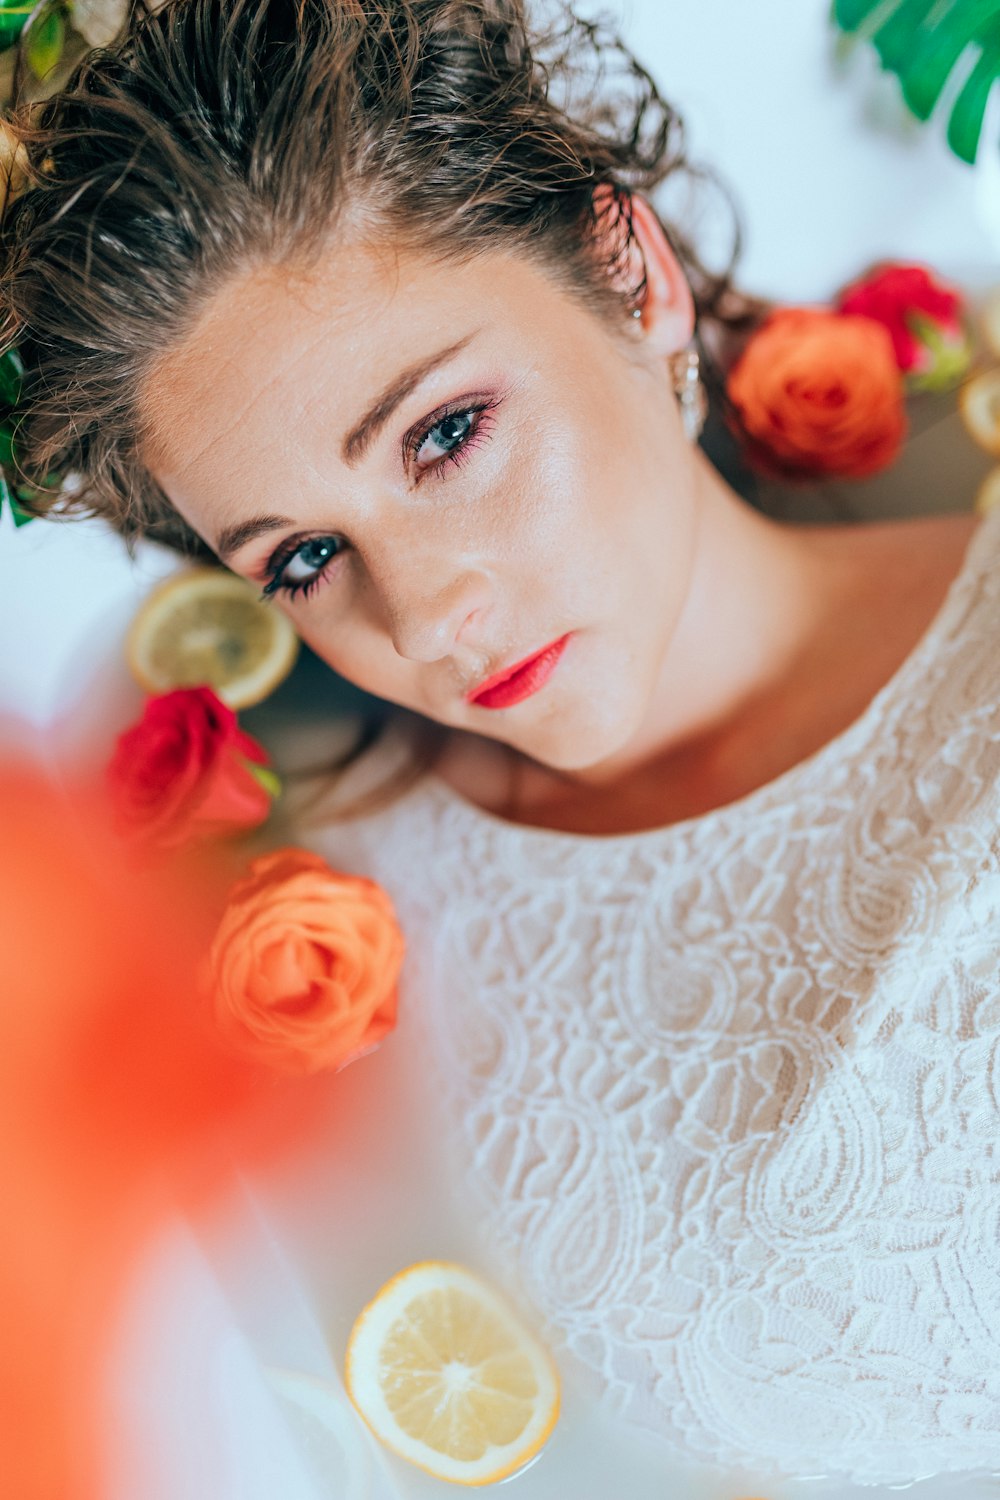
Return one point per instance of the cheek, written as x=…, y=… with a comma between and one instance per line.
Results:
x=556, y=513
x=651, y=511
x=369, y=661
x=617, y=504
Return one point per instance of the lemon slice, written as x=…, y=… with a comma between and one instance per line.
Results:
x=206, y=627
x=991, y=322
x=988, y=493
x=446, y=1375
x=979, y=402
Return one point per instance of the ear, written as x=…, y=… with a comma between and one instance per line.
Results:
x=667, y=306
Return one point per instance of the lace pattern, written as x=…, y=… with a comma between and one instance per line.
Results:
x=730, y=1090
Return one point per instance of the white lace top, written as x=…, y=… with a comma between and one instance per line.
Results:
x=731, y=1088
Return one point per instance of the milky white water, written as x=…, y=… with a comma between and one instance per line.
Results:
x=380, y=1188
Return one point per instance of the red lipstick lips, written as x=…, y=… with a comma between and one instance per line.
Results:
x=521, y=680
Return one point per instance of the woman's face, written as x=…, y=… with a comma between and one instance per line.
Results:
x=441, y=471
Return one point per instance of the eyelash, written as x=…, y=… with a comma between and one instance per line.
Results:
x=412, y=444
x=479, y=431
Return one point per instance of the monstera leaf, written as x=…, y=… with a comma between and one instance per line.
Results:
x=923, y=42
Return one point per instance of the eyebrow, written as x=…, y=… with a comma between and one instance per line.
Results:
x=363, y=433
x=234, y=537
x=355, y=444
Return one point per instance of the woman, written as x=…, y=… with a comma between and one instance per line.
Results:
x=369, y=303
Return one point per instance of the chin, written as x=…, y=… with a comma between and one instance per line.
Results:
x=583, y=740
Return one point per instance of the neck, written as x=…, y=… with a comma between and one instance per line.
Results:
x=760, y=600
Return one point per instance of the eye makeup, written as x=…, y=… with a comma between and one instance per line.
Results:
x=480, y=418
x=283, y=557
x=447, y=420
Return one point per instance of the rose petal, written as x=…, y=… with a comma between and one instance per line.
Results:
x=305, y=963
x=818, y=392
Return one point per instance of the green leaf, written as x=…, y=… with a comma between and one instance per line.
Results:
x=937, y=49
x=894, y=38
x=267, y=779
x=11, y=371
x=923, y=42
x=12, y=19
x=966, y=123
x=855, y=15
x=10, y=490
x=950, y=357
x=45, y=39
x=21, y=518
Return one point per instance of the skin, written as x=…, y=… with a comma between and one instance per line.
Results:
x=710, y=646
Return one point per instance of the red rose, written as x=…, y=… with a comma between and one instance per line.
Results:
x=187, y=771
x=925, y=319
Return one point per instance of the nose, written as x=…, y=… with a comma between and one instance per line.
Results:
x=428, y=619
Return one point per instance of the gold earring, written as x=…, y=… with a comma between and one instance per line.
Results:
x=690, y=392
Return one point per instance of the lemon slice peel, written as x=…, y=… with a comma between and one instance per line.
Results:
x=988, y=494
x=991, y=322
x=446, y=1375
x=206, y=627
x=979, y=404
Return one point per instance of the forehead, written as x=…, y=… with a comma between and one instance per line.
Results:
x=275, y=347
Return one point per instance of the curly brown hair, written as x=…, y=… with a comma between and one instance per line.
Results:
x=217, y=136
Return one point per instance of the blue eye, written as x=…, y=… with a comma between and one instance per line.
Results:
x=446, y=435
x=300, y=566
x=314, y=556
x=450, y=437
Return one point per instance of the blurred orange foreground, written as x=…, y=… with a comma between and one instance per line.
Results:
x=117, y=1105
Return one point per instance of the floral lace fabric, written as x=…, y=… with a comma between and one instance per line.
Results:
x=730, y=1090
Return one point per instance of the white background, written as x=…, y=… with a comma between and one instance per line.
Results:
x=830, y=174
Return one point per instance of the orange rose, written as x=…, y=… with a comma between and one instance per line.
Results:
x=304, y=964
x=819, y=392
